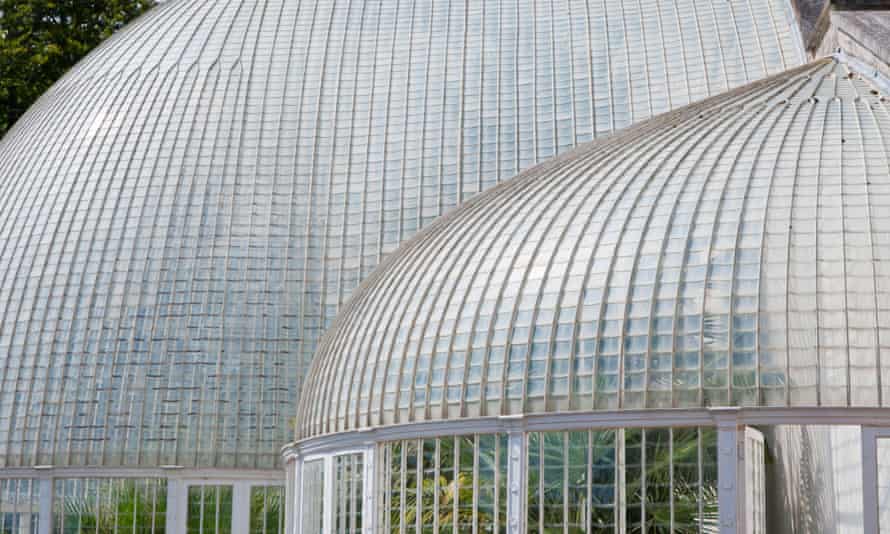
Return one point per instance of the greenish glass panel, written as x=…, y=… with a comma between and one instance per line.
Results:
x=669, y=480
x=444, y=484
x=209, y=510
x=348, y=493
x=110, y=506
x=266, y=510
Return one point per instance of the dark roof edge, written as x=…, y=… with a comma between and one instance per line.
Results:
x=856, y=31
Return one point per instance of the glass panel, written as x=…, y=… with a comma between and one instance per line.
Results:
x=19, y=506
x=669, y=474
x=109, y=506
x=209, y=510
x=313, y=497
x=348, y=494
x=443, y=484
x=266, y=512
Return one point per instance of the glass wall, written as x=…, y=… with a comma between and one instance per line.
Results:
x=109, y=506
x=209, y=510
x=266, y=509
x=635, y=480
x=312, y=514
x=439, y=484
x=19, y=502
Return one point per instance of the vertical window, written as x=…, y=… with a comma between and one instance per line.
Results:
x=19, y=501
x=110, y=506
x=444, y=484
x=348, y=481
x=312, y=513
x=209, y=510
x=266, y=512
x=668, y=483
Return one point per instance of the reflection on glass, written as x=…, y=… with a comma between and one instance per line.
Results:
x=313, y=497
x=442, y=484
x=666, y=478
x=266, y=511
x=19, y=501
x=110, y=506
x=348, y=480
x=209, y=510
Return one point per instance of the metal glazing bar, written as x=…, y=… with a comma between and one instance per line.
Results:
x=45, y=515
x=177, y=498
x=516, y=476
x=870, y=479
x=369, y=488
x=328, y=514
x=727, y=474
x=241, y=507
x=291, y=499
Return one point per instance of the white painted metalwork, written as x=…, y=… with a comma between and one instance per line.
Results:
x=295, y=502
x=241, y=507
x=177, y=506
x=176, y=483
x=752, y=480
x=727, y=466
x=740, y=452
x=516, y=482
x=751, y=416
x=870, y=474
x=289, y=493
x=45, y=517
x=370, y=487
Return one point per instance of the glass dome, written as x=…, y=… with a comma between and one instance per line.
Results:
x=184, y=212
x=732, y=253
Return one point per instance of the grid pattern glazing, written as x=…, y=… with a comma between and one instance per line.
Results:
x=733, y=253
x=348, y=493
x=19, y=506
x=184, y=213
x=633, y=480
x=447, y=484
x=266, y=509
x=209, y=509
x=109, y=506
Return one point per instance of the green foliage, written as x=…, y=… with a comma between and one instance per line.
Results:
x=115, y=506
x=41, y=39
x=265, y=509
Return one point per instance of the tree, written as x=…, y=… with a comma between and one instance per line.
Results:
x=41, y=39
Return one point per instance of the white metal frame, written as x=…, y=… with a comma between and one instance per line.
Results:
x=178, y=481
x=516, y=481
x=369, y=481
x=732, y=426
x=752, y=482
x=870, y=437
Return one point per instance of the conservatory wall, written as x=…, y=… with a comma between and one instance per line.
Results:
x=712, y=470
x=75, y=501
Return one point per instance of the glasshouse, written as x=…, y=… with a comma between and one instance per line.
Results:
x=525, y=266
x=602, y=343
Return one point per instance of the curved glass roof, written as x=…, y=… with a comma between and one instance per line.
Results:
x=735, y=252
x=184, y=213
